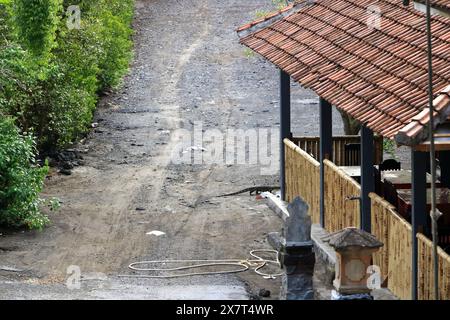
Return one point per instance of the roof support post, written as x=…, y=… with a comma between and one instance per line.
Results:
x=444, y=163
x=326, y=149
x=419, y=210
x=367, y=177
x=285, y=125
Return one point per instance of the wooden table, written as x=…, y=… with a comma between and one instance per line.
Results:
x=401, y=179
x=355, y=171
x=442, y=201
x=352, y=171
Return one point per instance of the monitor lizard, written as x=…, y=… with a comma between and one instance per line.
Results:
x=251, y=190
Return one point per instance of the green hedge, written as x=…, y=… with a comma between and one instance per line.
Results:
x=50, y=78
x=21, y=180
x=50, y=75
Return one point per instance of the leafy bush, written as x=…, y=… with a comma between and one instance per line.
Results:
x=3, y=20
x=36, y=22
x=50, y=76
x=117, y=50
x=21, y=180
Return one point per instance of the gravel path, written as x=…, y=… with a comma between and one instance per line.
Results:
x=188, y=67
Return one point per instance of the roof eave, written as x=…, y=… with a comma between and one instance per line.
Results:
x=435, y=9
x=271, y=18
x=416, y=131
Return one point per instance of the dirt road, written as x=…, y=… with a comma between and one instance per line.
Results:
x=188, y=67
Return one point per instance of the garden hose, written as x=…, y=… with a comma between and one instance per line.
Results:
x=256, y=264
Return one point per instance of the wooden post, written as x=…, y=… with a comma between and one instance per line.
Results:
x=444, y=162
x=419, y=209
x=367, y=177
x=326, y=149
x=285, y=125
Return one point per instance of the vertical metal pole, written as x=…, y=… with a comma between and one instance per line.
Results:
x=285, y=125
x=418, y=214
x=444, y=161
x=367, y=177
x=434, y=213
x=326, y=149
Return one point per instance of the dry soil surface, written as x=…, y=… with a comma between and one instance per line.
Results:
x=188, y=67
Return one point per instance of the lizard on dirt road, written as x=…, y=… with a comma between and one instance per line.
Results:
x=251, y=190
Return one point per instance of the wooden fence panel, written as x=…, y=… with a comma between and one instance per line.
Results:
x=426, y=270
x=311, y=145
x=395, y=257
x=340, y=212
x=302, y=178
x=380, y=229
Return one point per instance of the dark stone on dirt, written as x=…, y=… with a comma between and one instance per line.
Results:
x=65, y=172
x=67, y=166
x=140, y=209
x=67, y=155
x=52, y=162
x=264, y=293
x=65, y=160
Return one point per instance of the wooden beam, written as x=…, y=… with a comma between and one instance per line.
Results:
x=326, y=149
x=367, y=176
x=285, y=125
x=439, y=145
x=419, y=208
x=444, y=163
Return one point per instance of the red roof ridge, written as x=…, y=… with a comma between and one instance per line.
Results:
x=414, y=132
x=272, y=16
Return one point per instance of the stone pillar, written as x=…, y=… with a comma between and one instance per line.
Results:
x=354, y=248
x=297, y=256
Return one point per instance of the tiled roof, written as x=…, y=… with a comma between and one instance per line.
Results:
x=377, y=75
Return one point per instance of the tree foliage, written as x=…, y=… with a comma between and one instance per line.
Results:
x=50, y=78
x=36, y=22
x=21, y=180
x=51, y=75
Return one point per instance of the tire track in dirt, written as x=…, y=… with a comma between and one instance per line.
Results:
x=184, y=51
x=170, y=113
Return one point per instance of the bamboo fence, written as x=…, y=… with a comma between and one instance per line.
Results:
x=311, y=145
x=395, y=257
x=426, y=271
x=302, y=178
x=340, y=211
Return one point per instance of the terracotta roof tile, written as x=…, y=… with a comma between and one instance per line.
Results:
x=379, y=76
x=415, y=131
